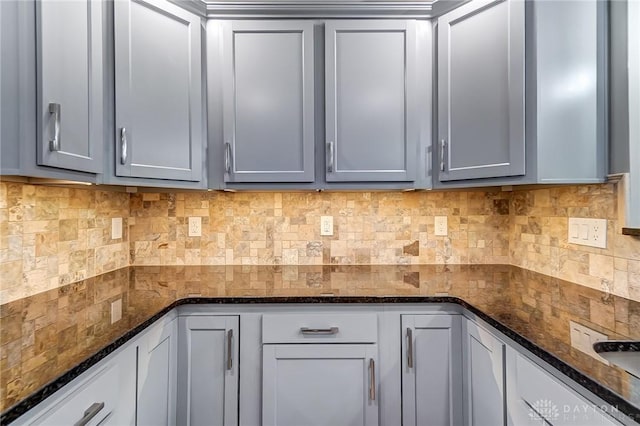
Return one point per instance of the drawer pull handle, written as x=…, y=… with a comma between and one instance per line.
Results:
x=409, y=348
x=90, y=413
x=372, y=379
x=229, y=349
x=319, y=331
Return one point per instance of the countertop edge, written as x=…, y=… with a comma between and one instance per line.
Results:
x=607, y=395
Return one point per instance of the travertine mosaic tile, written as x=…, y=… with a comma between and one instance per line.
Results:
x=50, y=237
x=284, y=228
x=539, y=221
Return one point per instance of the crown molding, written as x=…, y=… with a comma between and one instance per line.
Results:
x=260, y=9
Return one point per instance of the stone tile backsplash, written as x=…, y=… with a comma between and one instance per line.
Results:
x=50, y=236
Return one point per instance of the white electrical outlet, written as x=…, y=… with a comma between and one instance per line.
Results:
x=116, y=228
x=441, y=226
x=326, y=225
x=195, y=226
x=116, y=310
x=583, y=338
x=588, y=232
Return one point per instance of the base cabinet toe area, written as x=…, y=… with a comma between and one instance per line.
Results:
x=367, y=364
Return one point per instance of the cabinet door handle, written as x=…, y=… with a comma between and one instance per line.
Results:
x=90, y=413
x=319, y=331
x=331, y=156
x=54, y=140
x=124, y=146
x=227, y=157
x=443, y=147
x=409, y=348
x=372, y=379
x=229, y=349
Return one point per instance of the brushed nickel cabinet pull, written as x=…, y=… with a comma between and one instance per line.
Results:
x=319, y=331
x=229, y=349
x=372, y=379
x=124, y=146
x=227, y=157
x=443, y=147
x=409, y=348
x=331, y=156
x=90, y=413
x=54, y=140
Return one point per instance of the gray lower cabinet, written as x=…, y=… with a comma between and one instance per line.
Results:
x=481, y=90
x=158, y=91
x=319, y=384
x=484, y=377
x=535, y=397
x=432, y=370
x=520, y=92
x=268, y=101
x=370, y=84
x=157, y=359
x=208, y=362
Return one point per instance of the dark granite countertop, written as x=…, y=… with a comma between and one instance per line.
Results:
x=48, y=339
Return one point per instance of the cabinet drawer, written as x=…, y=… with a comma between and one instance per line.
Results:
x=92, y=400
x=320, y=328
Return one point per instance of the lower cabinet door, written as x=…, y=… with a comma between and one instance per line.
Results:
x=208, y=370
x=157, y=375
x=319, y=385
x=484, y=376
x=432, y=370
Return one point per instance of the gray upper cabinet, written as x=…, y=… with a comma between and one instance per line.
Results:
x=520, y=91
x=268, y=101
x=158, y=85
x=481, y=90
x=69, y=47
x=371, y=128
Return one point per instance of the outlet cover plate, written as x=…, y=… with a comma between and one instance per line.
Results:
x=195, y=226
x=116, y=311
x=116, y=228
x=587, y=232
x=441, y=226
x=583, y=338
x=326, y=225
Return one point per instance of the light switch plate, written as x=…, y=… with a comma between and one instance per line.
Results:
x=587, y=232
x=441, y=226
x=116, y=228
x=326, y=225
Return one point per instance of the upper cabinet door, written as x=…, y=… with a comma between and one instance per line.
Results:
x=481, y=90
x=158, y=80
x=70, y=84
x=268, y=101
x=371, y=128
